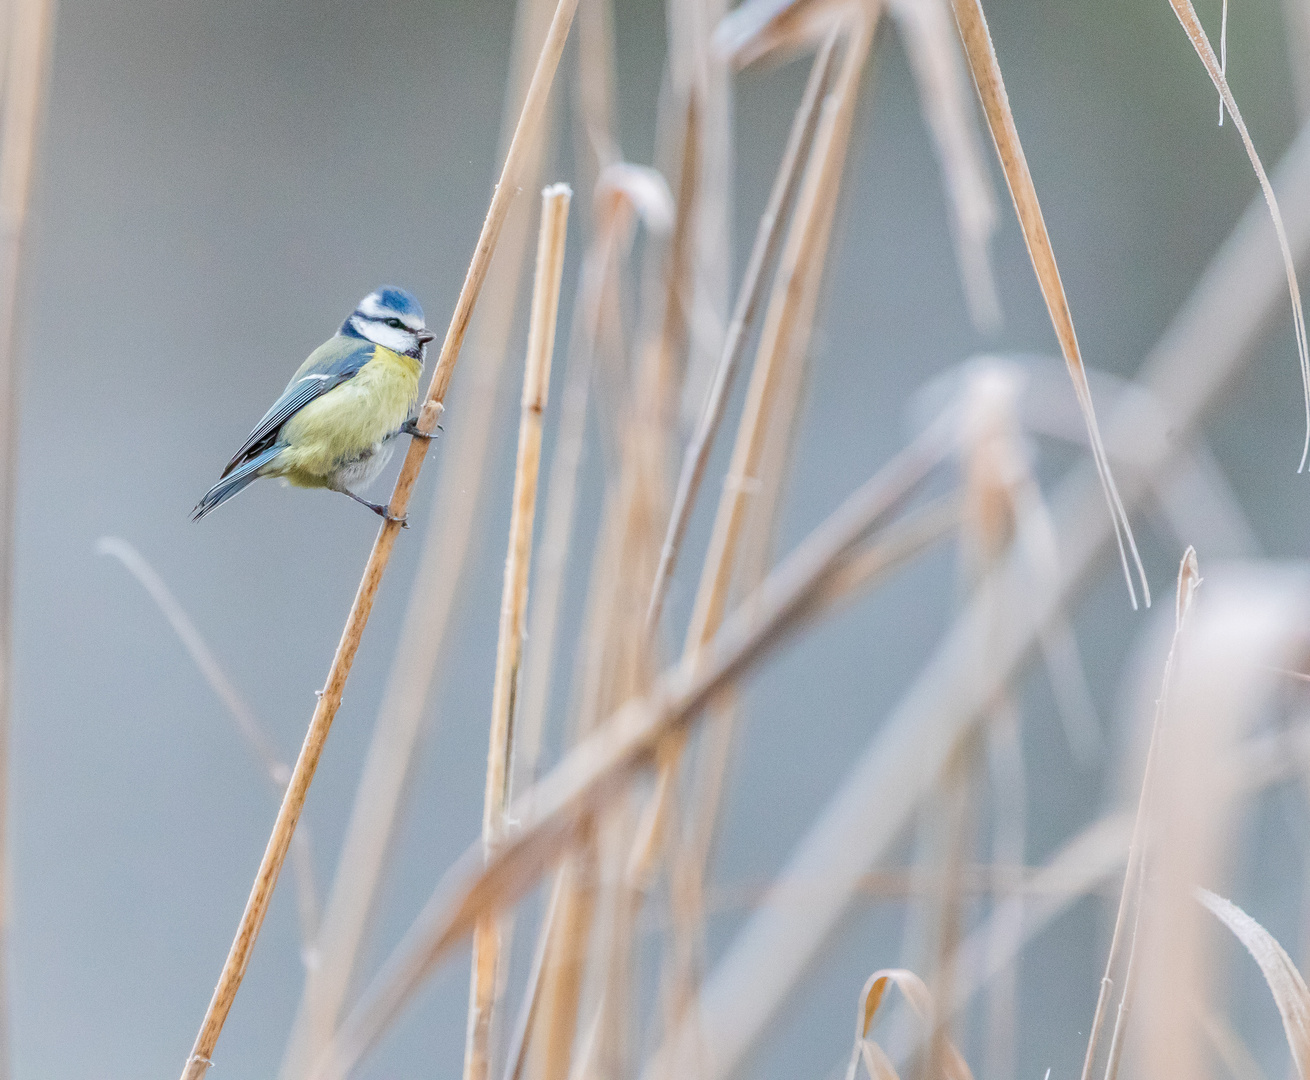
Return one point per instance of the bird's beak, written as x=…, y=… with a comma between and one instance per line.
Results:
x=424, y=336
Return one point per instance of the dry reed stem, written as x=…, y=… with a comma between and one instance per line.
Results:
x=692, y=842
x=445, y=552
x=516, y=1056
x=252, y=918
x=801, y=257
x=30, y=28
x=600, y=267
x=768, y=237
x=996, y=105
x=1208, y=342
x=599, y=768
x=618, y=663
x=698, y=75
x=488, y=936
x=1196, y=34
x=557, y=1012
x=1248, y=621
x=248, y=725
x=1130, y=900
x=934, y=54
x=1285, y=983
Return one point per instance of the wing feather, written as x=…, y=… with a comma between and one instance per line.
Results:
x=332, y=363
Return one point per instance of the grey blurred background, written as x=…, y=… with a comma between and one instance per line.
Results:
x=219, y=183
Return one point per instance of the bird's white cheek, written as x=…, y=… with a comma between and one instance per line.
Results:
x=387, y=336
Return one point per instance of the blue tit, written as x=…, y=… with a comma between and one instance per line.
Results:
x=332, y=426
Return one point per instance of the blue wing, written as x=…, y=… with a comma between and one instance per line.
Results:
x=332, y=363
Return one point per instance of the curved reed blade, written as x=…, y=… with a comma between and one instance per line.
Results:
x=1285, y=982
x=996, y=104
x=1215, y=68
x=919, y=997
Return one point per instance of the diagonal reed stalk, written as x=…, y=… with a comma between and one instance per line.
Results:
x=234, y=968
x=801, y=255
x=26, y=61
x=768, y=238
x=1207, y=345
x=446, y=550
x=598, y=770
x=490, y=931
x=996, y=104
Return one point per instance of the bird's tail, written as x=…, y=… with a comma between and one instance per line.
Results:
x=234, y=482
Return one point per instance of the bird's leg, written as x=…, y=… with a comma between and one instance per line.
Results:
x=377, y=508
x=410, y=427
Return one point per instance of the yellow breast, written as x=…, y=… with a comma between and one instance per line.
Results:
x=350, y=420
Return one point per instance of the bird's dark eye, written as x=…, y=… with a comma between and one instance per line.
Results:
x=396, y=323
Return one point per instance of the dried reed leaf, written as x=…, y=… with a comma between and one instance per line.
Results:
x=1196, y=34
x=1205, y=347
x=934, y=54
x=920, y=999
x=552, y=813
x=1285, y=982
x=996, y=104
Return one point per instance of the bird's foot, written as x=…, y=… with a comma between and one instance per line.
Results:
x=384, y=512
x=410, y=427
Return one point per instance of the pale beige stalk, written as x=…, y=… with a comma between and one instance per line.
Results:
x=1130, y=899
x=252, y=918
x=1248, y=622
x=30, y=28
x=552, y=813
x=768, y=237
x=487, y=939
x=800, y=253
x=1207, y=344
x=692, y=842
x=447, y=545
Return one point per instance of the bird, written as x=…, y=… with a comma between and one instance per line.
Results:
x=332, y=426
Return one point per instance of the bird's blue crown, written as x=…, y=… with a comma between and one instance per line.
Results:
x=385, y=303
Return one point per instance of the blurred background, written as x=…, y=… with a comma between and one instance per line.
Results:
x=218, y=184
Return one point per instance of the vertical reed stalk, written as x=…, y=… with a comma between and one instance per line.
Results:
x=486, y=977
x=768, y=237
x=1130, y=899
x=802, y=252
x=234, y=968
x=447, y=544
x=30, y=28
